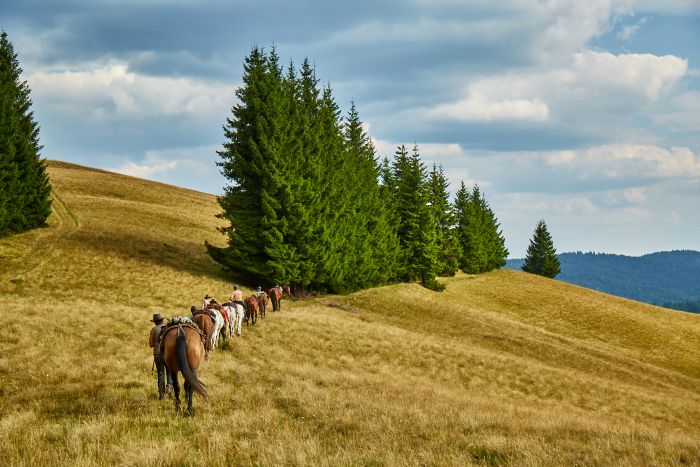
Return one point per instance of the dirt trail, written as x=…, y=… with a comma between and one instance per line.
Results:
x=26, y=252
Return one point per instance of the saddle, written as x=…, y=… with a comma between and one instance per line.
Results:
x=205, y=311
x=178, y=321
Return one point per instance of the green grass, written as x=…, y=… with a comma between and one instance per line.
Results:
x=502, y=368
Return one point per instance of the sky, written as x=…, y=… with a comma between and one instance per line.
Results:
x=585, y=114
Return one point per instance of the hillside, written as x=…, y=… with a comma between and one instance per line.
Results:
x=669, y=278
x=502, y=368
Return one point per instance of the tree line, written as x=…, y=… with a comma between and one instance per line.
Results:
x=310, y=203
x=24, y=185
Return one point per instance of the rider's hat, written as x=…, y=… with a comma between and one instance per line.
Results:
x=157, y=318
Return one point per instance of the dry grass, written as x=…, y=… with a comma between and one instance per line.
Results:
x=504, y=368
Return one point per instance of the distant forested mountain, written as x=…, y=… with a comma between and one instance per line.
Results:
x=670, y=278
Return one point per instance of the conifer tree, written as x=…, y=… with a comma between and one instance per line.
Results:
x=250, y=154
x=24, y=185
x=541, y=257
x=445, y=240
x=372, y=227
x=416, y=220
x=482, y=244
x=305, y=204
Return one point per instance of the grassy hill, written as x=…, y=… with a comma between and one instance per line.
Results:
x=502, y=368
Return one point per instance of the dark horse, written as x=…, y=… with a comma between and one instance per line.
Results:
x=206, y=324
x=262, y=303
x=275, y=298
x=183, y=351
x=251, y=309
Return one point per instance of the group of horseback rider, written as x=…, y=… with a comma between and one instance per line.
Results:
x=157, y=332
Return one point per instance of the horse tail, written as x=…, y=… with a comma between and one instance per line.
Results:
x=275, y=304
x=190, y=377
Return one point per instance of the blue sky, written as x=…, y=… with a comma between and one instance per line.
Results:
x=585, y=114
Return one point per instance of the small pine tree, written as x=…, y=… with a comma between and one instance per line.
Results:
x=541, y=256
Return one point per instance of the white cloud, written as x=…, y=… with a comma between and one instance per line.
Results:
x=191, y=167
x=594, y=83
x=637, y=74
x=629, y=31
x=481, y=108
x=146, y=170
x=668, y=6
x=111, y=90
x=626, y=161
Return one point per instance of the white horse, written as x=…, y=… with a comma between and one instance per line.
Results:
x=218, y=325
x=235, y=317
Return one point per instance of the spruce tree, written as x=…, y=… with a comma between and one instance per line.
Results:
x=304, y=202
x=445, y=239
x=541, y=257
x=24, y=185
x=481, y=242
x=417, y=225
x=250, y=155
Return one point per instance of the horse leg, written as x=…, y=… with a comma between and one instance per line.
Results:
x=239, y=319
x=176, y=388
x=188, y=395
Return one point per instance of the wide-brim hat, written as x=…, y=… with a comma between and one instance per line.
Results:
x=207, y=296
x=157, y=317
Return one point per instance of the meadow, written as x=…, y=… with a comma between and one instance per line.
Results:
x=504, y=368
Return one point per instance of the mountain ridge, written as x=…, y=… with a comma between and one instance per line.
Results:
x=665, y=278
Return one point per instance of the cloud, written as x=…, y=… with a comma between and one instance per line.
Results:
x=641, y=75
x=629, y=31
x=147, y=170
x=181, y=166
x=641, y=162
x=113, y=91
x=481, y=108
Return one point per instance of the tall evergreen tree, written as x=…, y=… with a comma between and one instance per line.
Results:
x=445, y=240
x=417, y=222
x=305, y=205
x=251, y=153
x=541, y=257
x=24, y=185
x=482, y=244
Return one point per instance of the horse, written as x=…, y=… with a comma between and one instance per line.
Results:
x=218, y=325
x=287, y=291
x=183, y=351
x=276, y=298
x=226, y=328
x=236, y=314
x=262, y=303
x=251, y=309
x=206, y=324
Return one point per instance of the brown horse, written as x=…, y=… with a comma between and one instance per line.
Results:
x=206, y=324
x=262, y=303
x=183, y=351
x=251, y=309
x=275, y=298
x=287, y=291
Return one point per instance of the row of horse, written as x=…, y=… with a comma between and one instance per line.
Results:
x=184, y=350
x=228, y=317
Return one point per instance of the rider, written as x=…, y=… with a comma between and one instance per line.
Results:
x=158, y=358
x=207, y=301
x=258, y=291
x=237, y=296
